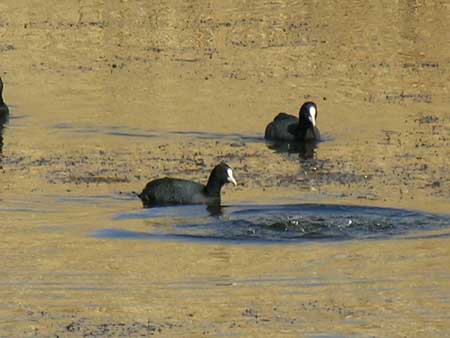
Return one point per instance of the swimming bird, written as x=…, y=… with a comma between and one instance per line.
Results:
x=4, y=111
x=289, y=128
x=173, y=191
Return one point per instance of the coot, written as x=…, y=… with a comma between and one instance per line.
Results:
x=172, y=191
x=4, y=111
x=289, y=128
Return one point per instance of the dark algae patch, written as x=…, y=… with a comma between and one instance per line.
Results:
x=85, y=328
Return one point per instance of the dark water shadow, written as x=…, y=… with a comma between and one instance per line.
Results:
x=261, y=224
x=111, y=130
x=98, y=200
x=305, y=150
x=18, y=117
x=174, y=212
x=214, y=136
x=120, y=131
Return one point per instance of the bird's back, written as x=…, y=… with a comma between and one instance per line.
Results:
x=4, y=111
x=283, y=127
x=166, y=191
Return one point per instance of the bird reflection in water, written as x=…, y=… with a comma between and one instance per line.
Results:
x=305, y=150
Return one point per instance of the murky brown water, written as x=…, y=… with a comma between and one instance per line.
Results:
x=107, y=95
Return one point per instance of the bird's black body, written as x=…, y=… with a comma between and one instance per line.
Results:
x=289, y=128
x=4, y=116
x=175, y=191
x=4, y=110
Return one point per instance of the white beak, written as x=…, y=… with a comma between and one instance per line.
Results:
x=312, y=116
x=230, y=177
x=313, y=120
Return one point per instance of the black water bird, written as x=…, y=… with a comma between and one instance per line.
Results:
x=175, y=191
x=289, y=128
x=4, y=110
x=4, y=116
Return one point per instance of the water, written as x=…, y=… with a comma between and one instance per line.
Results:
x=278, y=223
x=105, y=96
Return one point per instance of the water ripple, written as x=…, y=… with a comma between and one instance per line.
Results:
x=280, y=223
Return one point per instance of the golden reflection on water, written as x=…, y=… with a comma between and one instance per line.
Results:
x=81, y=76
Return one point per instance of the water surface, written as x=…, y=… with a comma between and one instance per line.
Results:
x=106, y=96
x=259, y=224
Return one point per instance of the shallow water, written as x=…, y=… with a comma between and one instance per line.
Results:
x=106, y=96
x=259, y=224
